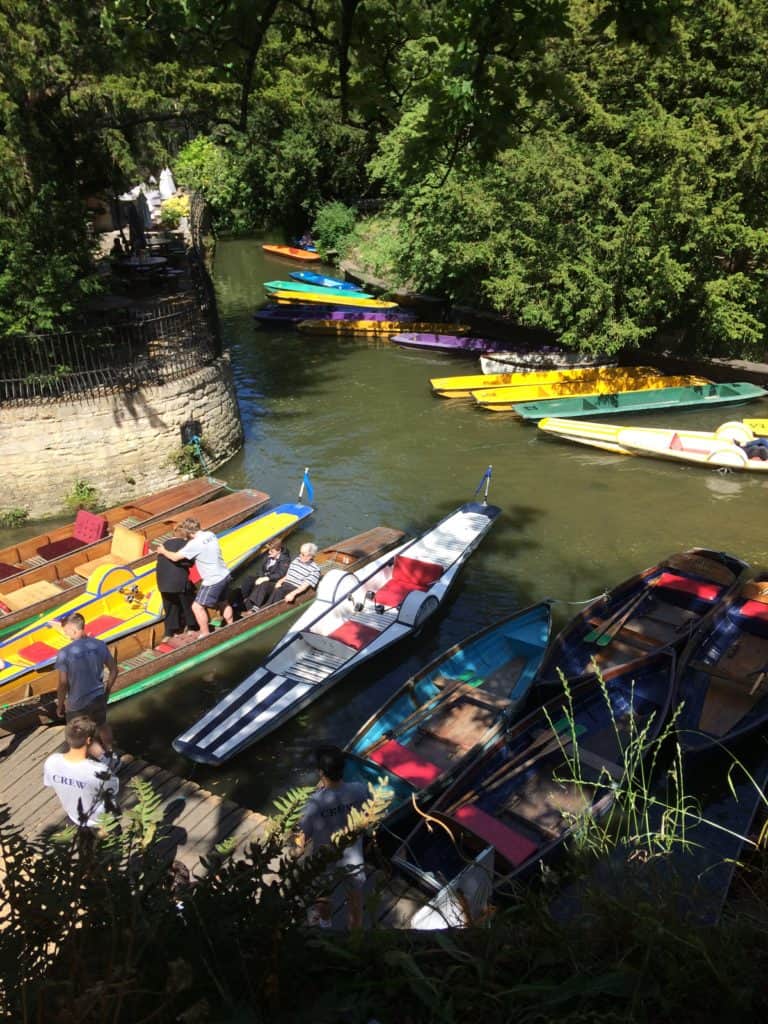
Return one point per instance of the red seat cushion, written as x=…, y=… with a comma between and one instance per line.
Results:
x=6, y=570
x=194, y=575
x=355, y=634
x=102, y=624
x=406, y=763
x=675, y=443
x=513, y=846
x=754, y=610
x=393, y=592
x=37, y=652
x=704, y=591
x=420, y=574
x=59, y=548
x=89, y=527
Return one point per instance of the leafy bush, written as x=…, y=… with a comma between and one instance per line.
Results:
x=333, y=227
x=173, y=209
x=83, y=495
x=13, y=517
x=190, y=459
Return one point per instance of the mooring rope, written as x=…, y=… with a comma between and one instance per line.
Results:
x=561, y=600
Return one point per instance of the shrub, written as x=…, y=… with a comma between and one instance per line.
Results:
x=13, y=517
x=83, y=495
x=173, y=209
x=333, y=227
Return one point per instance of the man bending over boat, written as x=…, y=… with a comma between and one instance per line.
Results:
x=82, y=689
x=204, y=550
x=83, y=785
x=303, y=574
x=326, y=813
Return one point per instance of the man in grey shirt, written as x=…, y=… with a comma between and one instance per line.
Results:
x=326, y=812
x=203, y=548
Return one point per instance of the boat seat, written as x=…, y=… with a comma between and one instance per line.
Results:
x=597, y=761
x=37, y=652
x=88, y=528
x=406, y=764
x=407, y=574
x=331, y=645
x=16, y=600
x=701, y=589
x=127, y=546
x=356, y=635
x=101, y=624
x=6, y=570
x=511, y=844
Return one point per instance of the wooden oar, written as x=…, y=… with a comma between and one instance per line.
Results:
x=593, y=634
x=617, y=625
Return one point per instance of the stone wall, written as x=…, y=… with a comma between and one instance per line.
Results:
x=120, y=443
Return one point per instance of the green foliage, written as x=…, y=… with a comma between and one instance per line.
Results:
x=173, y=209
x=189, y=459
x=333, y=227
x=13, y=517
x=83, y=495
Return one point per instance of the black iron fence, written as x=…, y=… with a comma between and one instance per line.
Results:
x=127, y=351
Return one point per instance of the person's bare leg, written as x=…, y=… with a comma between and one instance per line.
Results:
x=201, y=618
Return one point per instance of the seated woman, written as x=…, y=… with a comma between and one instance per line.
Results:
x=302, y=574
x=274, y=567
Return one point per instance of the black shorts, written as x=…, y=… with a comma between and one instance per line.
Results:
x=96, y=711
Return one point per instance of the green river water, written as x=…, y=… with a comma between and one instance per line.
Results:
x=383, y=450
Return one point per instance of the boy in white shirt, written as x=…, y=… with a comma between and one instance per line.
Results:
x=83, y=786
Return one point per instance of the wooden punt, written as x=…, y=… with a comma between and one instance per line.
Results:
x=504, y=399
x=378, y=327
x=20, y=558
x=475, y=383
x=37, y=591
x=145, y=661
x=659, y=607
x=452, y=709
x=531, y=789
x=118, y=601
x=724, y=671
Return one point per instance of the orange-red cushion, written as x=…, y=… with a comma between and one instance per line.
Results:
x=406, y=763
x=89, y=527
x=6, y=570
x=513, y=846
x=194, y=575
x=37, y=652
x=754, y=610
x=675, y=443
x=704, y=591
x=102, y=624
x=393, y=592
x=412, y=570
x=355, y=634
x=59, y=548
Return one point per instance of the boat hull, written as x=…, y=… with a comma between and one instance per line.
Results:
x=478, y=383
x=292, y=253
x=270, y=287
x=365, y=325
x=310, y=277
x=342, y=299
x=608, y=392
x=546, y=358
x=452, y=344
x=337, y=634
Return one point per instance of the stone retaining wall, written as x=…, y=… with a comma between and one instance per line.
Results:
x=120, y=443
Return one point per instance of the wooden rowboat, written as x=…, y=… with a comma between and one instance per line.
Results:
x=119, y=601
x=644, y=400
x=724, y=672
x=342, y=629
x=505, y=399
x=89, y=529
x=367, y=326
x=531, y=789
x=452, y=709
x=659, y=607
x=342, y=299
x=145, y=661
x=29, y=596
x=713, y=449
x=475, y=384
x=291, y=252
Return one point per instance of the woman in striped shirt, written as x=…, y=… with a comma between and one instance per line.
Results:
x=303, y=574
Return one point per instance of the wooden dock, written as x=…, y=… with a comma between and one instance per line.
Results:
x=194, y=820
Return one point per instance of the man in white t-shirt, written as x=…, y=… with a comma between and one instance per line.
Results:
x=84, y=786
x=203, y=549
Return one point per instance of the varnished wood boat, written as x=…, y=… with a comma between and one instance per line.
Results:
x=145, y=661
x=659, y=607
x=531, y=789
x=89, y=529
x=724, y=671
x=36, y=592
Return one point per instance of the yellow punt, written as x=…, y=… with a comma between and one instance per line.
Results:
x=283, y=295
x=118, y=600
x=714, y=449
x=463, y=387
x=502, y=399
x=758, y=427
x=377, y=327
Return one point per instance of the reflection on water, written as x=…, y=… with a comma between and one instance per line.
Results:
x=381, y=449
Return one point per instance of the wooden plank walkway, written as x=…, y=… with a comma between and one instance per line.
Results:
x=194, y=820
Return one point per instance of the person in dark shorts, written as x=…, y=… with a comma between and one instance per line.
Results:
x=82, y=689
x=326, y=812
x=274, y=567
x=175, y=587
x=203, y=548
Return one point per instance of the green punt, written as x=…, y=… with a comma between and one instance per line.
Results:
x=640, y=401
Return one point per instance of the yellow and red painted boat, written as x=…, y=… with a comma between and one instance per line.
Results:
x=291, y=252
